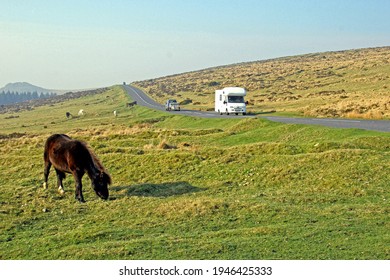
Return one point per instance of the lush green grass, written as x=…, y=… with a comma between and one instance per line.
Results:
x=192, y=188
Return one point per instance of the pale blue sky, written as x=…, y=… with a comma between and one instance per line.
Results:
x=77, y=44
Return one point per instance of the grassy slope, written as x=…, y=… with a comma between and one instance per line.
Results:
x=232, y=188
x=352, y=84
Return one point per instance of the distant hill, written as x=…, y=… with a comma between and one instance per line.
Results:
x=352, y=84
x=22, y=87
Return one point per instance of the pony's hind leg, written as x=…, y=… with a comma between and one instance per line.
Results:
x=46, y=172
x=60, y=177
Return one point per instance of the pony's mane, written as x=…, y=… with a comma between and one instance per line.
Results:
x=95, y=160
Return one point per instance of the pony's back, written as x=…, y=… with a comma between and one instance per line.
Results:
x=64, y=153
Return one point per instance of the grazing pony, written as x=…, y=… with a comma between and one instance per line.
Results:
x=68, y=115
x=73, y=156
x=81, y=112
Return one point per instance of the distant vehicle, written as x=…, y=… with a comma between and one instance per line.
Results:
x=230, y=100
x=172, y=105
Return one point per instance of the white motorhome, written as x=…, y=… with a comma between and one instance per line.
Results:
x=230, y=100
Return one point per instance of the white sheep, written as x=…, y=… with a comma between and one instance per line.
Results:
x=81, y=112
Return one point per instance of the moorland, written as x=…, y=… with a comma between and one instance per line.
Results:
x=196, y=188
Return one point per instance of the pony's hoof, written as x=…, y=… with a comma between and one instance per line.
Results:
x=44, y=185
x=80, y=199
x=61, y=191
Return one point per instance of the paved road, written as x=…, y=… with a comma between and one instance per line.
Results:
x=144, y=100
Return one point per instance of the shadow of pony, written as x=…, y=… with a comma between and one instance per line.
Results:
x=155, y=190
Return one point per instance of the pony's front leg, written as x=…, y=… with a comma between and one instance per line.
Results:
x=79, y=187
x=60, y=177
x=79, y=193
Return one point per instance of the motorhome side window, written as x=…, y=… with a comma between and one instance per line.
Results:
x=236, y=99
x=220, y=97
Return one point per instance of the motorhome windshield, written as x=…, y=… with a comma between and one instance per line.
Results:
x=236, y=99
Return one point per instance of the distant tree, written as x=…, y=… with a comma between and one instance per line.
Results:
x=2, y=98
x=12, y=97
x=44, y=95
x=28, y=96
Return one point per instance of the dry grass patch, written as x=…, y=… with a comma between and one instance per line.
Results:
x=162, y=145
x=366, y=109
x=306, y=84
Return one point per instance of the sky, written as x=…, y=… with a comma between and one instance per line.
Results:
x=78, y=44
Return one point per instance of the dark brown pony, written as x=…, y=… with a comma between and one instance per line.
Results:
x=73, y=156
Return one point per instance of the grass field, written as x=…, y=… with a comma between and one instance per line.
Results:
x=193, y=188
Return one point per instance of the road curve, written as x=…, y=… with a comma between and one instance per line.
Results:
x=144, y=100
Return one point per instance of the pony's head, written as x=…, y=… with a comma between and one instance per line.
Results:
x=100, y=184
